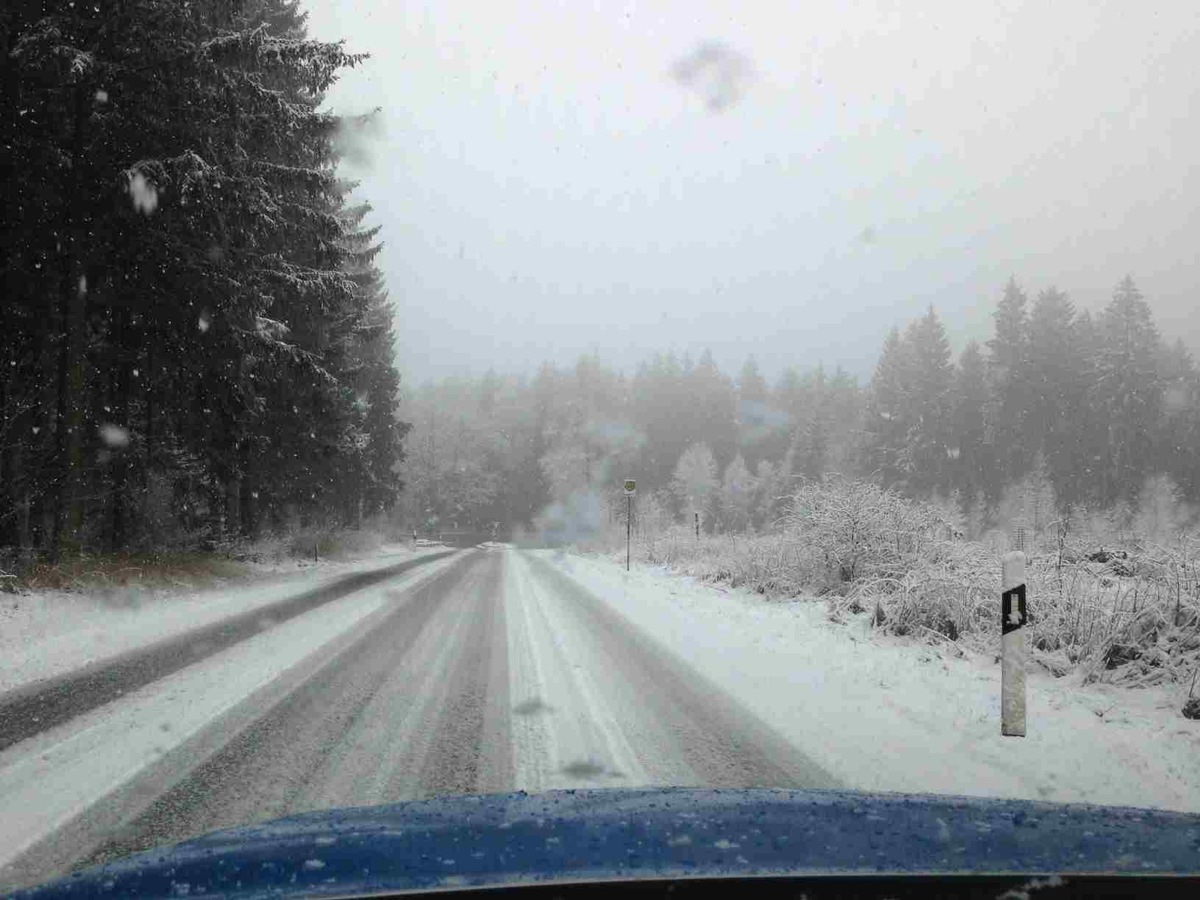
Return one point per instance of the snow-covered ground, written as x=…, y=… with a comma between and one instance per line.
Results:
x=451, y=657
x=881, y=713
x=56, y=775
x=47, y=633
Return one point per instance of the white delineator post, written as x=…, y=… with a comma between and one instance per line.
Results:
x=1013, y=647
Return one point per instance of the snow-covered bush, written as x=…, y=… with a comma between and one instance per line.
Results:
x=1104, y=601
x=848, y=531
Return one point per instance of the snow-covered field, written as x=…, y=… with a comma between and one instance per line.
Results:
x=47, y=633
x=883, y=713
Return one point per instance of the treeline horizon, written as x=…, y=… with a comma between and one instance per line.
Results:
x=1081, y=410
x=195, y=340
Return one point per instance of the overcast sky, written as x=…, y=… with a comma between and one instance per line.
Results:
x=548, y=185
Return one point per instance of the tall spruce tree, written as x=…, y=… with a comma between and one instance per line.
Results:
x=181, y=278
x=1008, y=364
x=1128, y=390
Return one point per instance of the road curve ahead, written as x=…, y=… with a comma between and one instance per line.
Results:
x=496, y=673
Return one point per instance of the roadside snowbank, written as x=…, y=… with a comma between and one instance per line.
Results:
x=882, y=713
x=47, y=633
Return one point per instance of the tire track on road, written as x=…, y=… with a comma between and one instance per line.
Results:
x=471, y=747
x=37, y=707
x=417, y=702
x=340, y=726
x=670, y=714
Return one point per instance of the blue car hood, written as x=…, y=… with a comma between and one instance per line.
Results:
x=588, y=835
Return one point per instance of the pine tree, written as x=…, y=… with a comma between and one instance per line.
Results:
x=1057, y=385
x=770, y=439
x=180, y=201
x=1128, y=390
x=1180, y=434
x=713, y=407
x=927, y=452
x=810, y=448
x=974, y=461
x=1008, y=364
x=840, y=408
x=751, y=394
x=886, y=424
x=1089, y=443
x=754, y=419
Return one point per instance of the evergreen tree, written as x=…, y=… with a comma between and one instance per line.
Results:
x=840, y=408
x=1008, y=365
x=712, y=402
x=1179, y=437
x=212, y=309
x=927, y=452
x=810, y=448
x=969, y=425
x=1057, y=385
x=886, y=425
x=1089, y=450
x=1128, y=391
x=754, y=418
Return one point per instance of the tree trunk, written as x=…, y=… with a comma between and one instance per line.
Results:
x=118, y=527
x=68, y=517
x=233, y=500
x=249, y=508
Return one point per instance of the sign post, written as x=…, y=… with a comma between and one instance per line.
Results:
x=1013, y=615
x=630, y=490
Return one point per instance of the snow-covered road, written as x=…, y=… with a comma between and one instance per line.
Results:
x=490, y=670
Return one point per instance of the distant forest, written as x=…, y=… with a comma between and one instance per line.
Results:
x=195, y=342
x=1081, y=410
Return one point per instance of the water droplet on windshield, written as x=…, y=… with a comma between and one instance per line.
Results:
x=114, y=435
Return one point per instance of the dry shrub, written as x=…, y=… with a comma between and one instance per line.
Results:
x=27, y=570
x=86, y=571
x=766, y=564
x=946, y=590
x=330, y=542
x=1130, y=617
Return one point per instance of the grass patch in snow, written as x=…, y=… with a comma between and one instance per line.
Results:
x=87, y=571
x=28, y=571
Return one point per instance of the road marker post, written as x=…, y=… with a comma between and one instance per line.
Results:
x=630, y=490
x=1013, y=644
